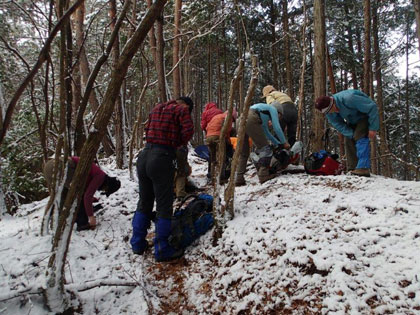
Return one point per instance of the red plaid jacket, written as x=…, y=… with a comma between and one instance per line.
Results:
x=169, y=124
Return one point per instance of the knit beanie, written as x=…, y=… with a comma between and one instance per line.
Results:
x=187, y=101
x=324, y=104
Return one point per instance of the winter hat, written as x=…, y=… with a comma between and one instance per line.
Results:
x=110, y=185
x=324, y=104
x=188, y=101
x=267, y=90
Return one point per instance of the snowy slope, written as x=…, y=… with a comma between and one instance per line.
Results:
x=297, y=244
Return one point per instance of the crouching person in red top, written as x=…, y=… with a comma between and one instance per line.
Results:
x=169, y=127
x=97, y=180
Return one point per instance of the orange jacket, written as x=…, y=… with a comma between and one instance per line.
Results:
x=216, y=124
x=234, y=141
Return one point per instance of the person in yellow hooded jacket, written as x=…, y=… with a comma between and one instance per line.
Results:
x=288, y=114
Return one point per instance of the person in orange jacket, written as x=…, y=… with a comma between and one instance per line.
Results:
x=212, y=140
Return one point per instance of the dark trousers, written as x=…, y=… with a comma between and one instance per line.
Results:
x=288, y=122
x=82, y=218
x=213, y=143
x=156, y=171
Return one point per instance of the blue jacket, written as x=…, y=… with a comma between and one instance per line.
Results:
x=353, y=106
x=268, y=112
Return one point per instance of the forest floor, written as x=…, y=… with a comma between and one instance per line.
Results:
x=298, y=244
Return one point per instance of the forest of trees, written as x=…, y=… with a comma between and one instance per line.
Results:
x=79, y=77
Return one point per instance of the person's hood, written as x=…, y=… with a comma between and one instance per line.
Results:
x=210, y=106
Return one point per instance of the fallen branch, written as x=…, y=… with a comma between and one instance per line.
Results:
x=70, y=287
x=100, y=283
x=26, y=291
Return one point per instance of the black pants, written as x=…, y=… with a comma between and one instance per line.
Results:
x=82, y=218
x=156, y=171
x=288, y=122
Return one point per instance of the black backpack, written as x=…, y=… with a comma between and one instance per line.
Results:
x=191, y=220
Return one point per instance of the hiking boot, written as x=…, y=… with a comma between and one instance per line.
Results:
x=164, y=251
x=142, y=250
x=264, y=174
x=361, y=172
x=141, y=223
x=240, y=181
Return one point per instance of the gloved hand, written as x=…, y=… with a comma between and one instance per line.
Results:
x=92, y=222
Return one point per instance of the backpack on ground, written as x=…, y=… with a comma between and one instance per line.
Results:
x=322, y=163
x=191, y=219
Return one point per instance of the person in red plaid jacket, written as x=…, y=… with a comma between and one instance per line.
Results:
x=169, y=126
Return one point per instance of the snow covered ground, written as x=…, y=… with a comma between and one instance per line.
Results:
x=298, y=244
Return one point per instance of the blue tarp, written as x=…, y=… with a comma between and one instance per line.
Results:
x=202, y=151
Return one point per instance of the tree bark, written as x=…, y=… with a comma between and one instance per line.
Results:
x=160, y=62
x=407, y=139
x=289, y=74
x=367, y=49
x=175, y=55
x=387, y=171
x=218, y=210
x=299, y=135
x=274, y=45
x=55, y=293
x=416, y=4
x=333, y=91
x=120, y=150
x=351, y=48
x=80, y=136
x=319, y=73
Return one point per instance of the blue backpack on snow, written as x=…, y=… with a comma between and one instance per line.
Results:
x=191, y=221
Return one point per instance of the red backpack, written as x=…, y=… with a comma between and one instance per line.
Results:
x=323, y=163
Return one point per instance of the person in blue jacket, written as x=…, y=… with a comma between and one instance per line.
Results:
x=354, y=115
x=260, y=117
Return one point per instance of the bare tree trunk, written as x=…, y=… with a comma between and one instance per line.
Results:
x=274, y=45
x=407, y=139
x=333, y=91
x=367, y=72
x=351, y=48
x=219, y=212
x=289, y=75
x=137, y=133
x=2, y=192
x=219, y=79
x=175, y=56
x=387, y=171
x=79, y=136
x=319, y=72
x=55, y=293
x=120, y=150
x=68, y=87
x=160, y=62
x=367, y=51
x=152, y=37
x=93, y=99
x=302, y=76
x=416, y=4
x=209, y=73
x=92, y=76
